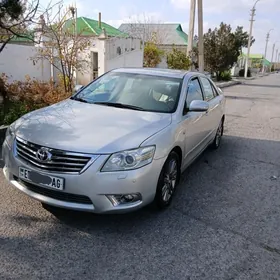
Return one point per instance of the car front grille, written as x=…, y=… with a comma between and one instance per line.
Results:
x=62, y=196
x=59, y=161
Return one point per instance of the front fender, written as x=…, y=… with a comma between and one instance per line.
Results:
x=165, y=141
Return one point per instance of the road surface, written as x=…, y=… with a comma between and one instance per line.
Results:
x=223, y=223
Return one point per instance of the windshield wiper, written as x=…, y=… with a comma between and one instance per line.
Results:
x=120, y=105
x=79, y=99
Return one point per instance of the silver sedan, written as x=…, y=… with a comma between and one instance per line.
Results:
x=117, y=144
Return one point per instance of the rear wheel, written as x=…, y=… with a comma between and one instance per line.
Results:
x=168, y=181
x=220, y=131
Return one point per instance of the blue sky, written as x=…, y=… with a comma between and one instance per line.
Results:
x=234, y=12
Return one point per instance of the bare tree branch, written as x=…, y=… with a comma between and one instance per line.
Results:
x=146, y=28
x=19, y=27
x=5, y=43
x=63, y=44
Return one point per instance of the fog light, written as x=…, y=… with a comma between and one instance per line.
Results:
x=121, y=199
x=128, y=197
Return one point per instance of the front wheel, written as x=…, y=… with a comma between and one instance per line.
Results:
x=168, y=181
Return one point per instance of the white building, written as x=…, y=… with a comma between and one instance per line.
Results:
x=106, y=53
x=109, y=48
x=165, y=35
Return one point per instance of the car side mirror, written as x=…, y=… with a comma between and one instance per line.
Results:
x=199, y=106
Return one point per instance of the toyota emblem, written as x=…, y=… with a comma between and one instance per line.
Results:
x=43, y=154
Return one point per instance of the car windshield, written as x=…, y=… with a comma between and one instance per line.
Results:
x=133, y=91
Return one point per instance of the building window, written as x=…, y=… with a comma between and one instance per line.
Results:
x=119, y=50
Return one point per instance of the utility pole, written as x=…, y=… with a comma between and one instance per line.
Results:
x=273, y=48
x=272, y=56
x=276, y=59
x=200, y=36
x=253, y=13
x=266, y=42
x=191, y=31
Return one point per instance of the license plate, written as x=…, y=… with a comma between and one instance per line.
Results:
x=44, y=180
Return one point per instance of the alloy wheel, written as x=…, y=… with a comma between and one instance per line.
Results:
x=219, y=134
x=170, y=179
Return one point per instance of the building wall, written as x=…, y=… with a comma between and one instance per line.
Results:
x=167, y=49
x=86, y=75
x=132, y=59
x=123, y=52
x=16, y=62
x=112, y=53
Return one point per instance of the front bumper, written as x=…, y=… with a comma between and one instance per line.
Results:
x=91, y=188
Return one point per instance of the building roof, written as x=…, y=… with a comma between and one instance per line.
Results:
x=168, y=33
x=258, y=57
x=254, y=56
x=90, y=27
x=266, y=62
x=28, y=38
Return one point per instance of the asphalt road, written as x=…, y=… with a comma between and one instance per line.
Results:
x=224, y=222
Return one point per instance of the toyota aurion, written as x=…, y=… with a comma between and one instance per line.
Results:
x=117, y=144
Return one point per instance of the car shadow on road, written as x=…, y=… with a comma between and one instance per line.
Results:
x=208, y=178
x=230, y=191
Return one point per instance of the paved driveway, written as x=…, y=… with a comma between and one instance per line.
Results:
x=223, y=224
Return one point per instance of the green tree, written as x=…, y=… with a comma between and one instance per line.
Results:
x=152, y=55
x=242, y=38
x=222, y=47
x=221, y=50
x=65, y=47
x=178, y=59
x=10, y=9
x=15, y=18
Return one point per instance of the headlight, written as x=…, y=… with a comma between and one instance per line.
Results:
x=10, y=133
x=128, y=160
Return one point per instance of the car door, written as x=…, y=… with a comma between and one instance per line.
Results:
x=213, y=116
x=193, y=122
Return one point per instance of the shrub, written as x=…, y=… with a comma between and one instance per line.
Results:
x=152, y=55
x=178, y=59
x=20, y=97
x=242, y=71
x=16, y=110
x=226, y=76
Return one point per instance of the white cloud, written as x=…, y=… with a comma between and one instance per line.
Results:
x=216, y=11
x=234, y=12
x=223, y=6
x=148, y=17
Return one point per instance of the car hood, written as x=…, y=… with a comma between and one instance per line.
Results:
x=79, y=127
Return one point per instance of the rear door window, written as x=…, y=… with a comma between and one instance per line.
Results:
x=208, y=89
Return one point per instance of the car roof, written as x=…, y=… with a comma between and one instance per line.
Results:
x=171, y=73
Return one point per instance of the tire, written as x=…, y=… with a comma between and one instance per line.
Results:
x=168, y=181
x=218, y=137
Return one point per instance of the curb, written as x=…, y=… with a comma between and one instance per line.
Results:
x=228, y=84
